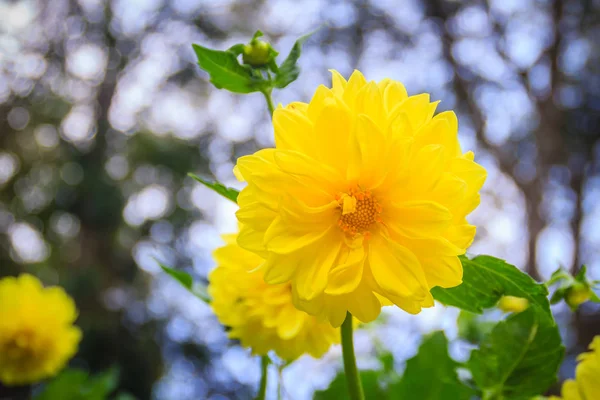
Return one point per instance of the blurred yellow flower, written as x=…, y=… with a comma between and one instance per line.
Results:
x=513, y=304
x=37, y=335
x=262, y=316
x=586, y=385
x=362, y=202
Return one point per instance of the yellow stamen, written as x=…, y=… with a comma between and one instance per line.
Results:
x=359, y=211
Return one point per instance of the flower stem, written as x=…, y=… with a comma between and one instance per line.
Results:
x=352, y=377
x=267, y=94
x=262, y=390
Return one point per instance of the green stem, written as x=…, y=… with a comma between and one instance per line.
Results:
x=262, y=390
x=267, y=94
x=352, y=377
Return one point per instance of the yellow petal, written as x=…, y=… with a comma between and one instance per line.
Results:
x=369, y=102
x=252, y=240
x=345, y=277
x=373, y=151
x=312, y=276
x=416, y=108
x=570, y=391
x=393, y=95
x=279, y=269
x=470, y=172
x=418, y=218
x=395, y=269
x=293, y=131
x=338, y=83
x=287, y=327
x=452, y=121
x=356, y=82
x=427, y=167
x=445, y=271
x=332, y=130
x=323, y=97
x=364, y=305
x=281, y=238
x=256, y=215
x=461, y=235
x=431, y=246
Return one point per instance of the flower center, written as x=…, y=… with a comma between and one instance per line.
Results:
x=18, y=349
x=359, y=211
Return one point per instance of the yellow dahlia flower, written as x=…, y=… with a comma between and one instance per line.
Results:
x=262, y=316
x=363, y=200
x=37, y=335
x=586, y=385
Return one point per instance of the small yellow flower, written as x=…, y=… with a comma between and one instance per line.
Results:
x=586, y=385
x=362, y=202
x=37, y=335
x=262, y=316
x=513, y=304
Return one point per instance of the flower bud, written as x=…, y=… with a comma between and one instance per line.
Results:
x=257, y=53
x=577, y=294
x=513, y=304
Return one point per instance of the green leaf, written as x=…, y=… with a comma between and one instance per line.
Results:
x=580, y=276
x=558, y=295
x=471, y=329
x=67, y=385
x=236, y=49
x=288, y=71
x=229, y=193
x=187, y=282
x=101, y=385
x=519, y=359
x=431, y=374
x=486, y=279
x=338, y=389
x=125, y=396
x=226, y=72
x=182, y=277
x=75, y=384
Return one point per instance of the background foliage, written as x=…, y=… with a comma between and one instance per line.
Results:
x=103, y=112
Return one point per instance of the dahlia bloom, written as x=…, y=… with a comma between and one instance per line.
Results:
x=37, y=335
x=586, y=385
x=362, y=202
x=262, y=316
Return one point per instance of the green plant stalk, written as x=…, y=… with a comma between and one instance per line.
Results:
x=264, y=368
x=267, y=94
x=355, y=389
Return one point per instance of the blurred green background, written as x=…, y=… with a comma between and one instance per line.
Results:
x=103, y=112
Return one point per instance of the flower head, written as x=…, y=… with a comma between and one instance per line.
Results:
x=262, y=316
x=37, y=335
x=586, y=385
x=363, y=200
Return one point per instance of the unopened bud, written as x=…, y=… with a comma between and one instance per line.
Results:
x=257, y=53
x=513, y=304
x=577, y=294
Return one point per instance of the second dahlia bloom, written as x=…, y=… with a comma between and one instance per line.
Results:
x=586, y=385
x=37, y=335
x=259, y=315
x=363, y=200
